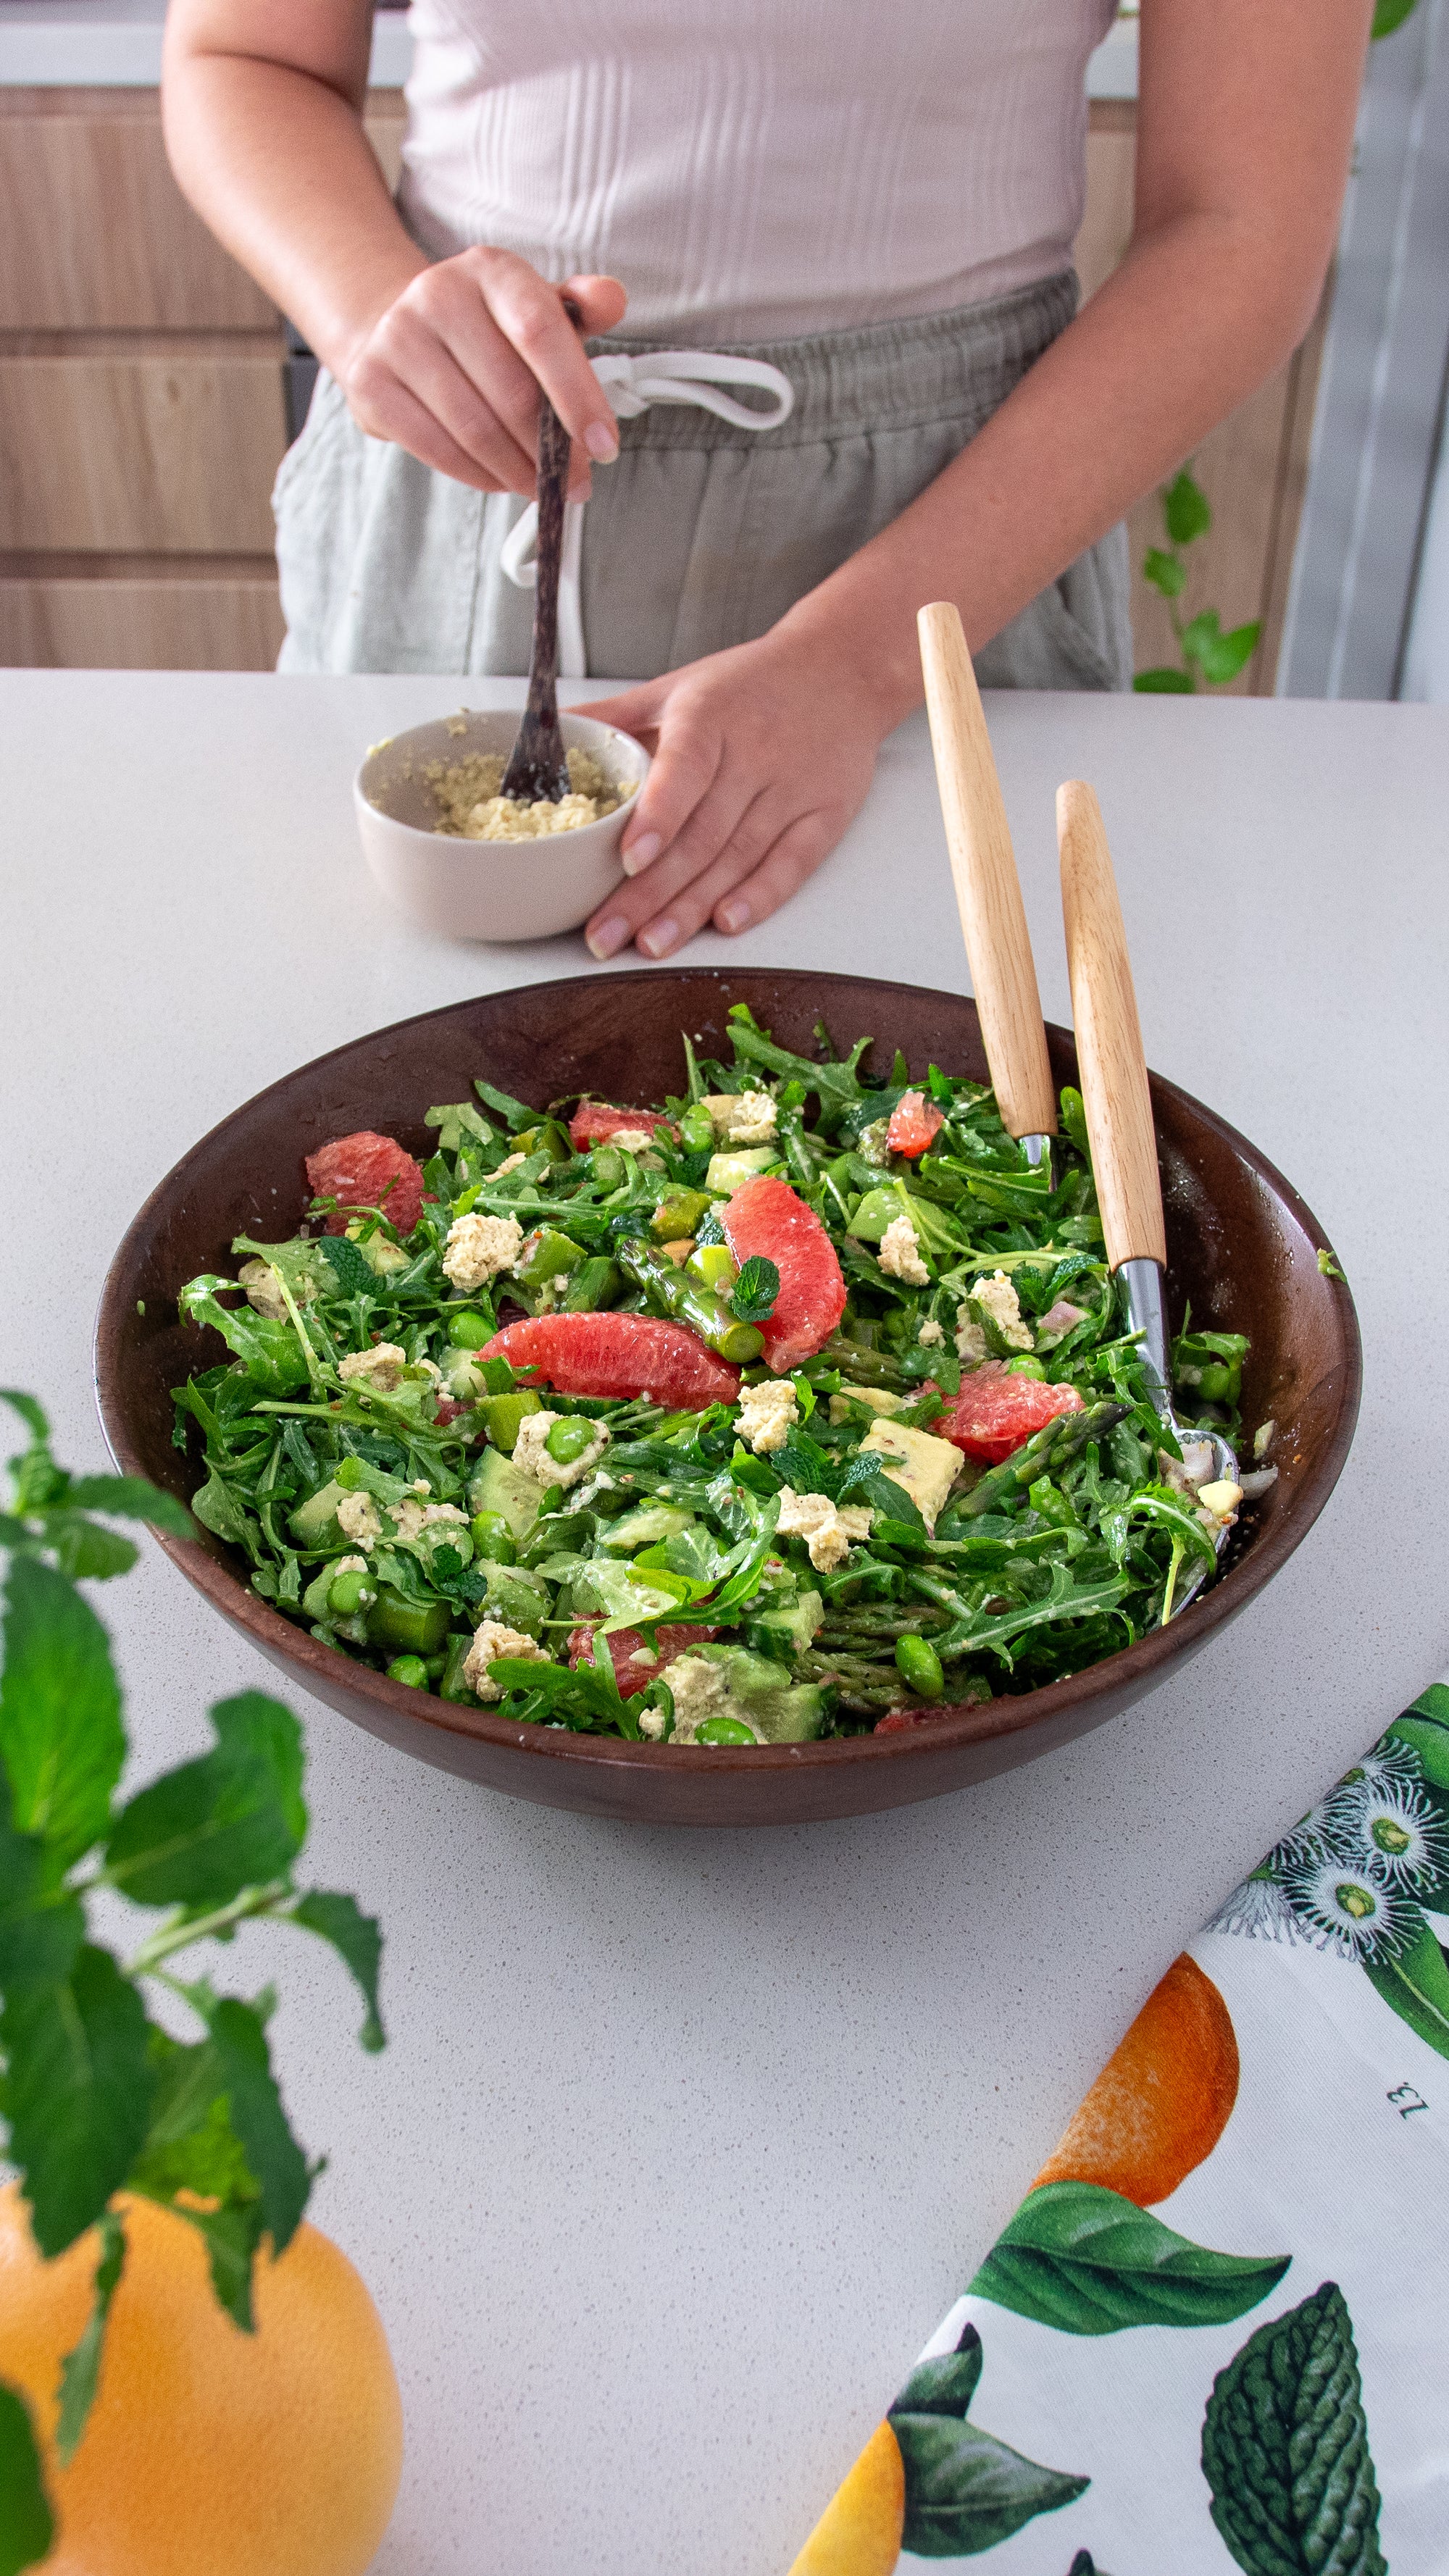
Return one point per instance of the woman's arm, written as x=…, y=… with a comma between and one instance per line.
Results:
x=262, y=101
x=1245, y=122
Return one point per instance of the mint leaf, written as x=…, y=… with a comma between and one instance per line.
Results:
x=1186, y=510
x=232, y=2238
x=1088, y=2262
x=60, y=1712
x=1164, y=572
x=27, y=2526
x=357, y=1939
x=946, y=2384
x=1285, y=2448
x=41, y=1924
x=84, y=1550
x=258, y=2118
x=965, y=2490
x=193, y=2150
x=233, y=1819
x=29, y=1411
x=351, y=1268
x=80, y=2370
x=77, y=2093
x=1390, y=14
x=129, y=1498
x=755, y=1291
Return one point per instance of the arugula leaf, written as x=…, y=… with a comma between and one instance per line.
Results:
x=357, y=1939
x=258, y=2117
x=27, y=2526
x=60, y=1712
x=271, y=1354
x=78, y=2092
x=514, y=1113
x=1088, y=2262
x=80, y=2370
x=755, y=1291
x=234, y=1818
x=1285, y=2448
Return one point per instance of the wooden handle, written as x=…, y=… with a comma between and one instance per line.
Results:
x=988, y=890
x=1109, y=1036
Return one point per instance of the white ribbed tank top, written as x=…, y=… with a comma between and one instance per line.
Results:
x=756, y=169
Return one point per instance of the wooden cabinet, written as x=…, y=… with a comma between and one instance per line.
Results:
x=142, y=414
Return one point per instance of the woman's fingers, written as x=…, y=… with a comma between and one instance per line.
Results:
x=413, y=355
x=796, y=855
x=531, y=316
x=394, y=413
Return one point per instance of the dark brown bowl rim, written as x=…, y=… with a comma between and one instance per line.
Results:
x=1130, y=1670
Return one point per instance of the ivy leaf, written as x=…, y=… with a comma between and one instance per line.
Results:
x=1164, y=683
x=1200, y=634
x=755, y=1291
x=1186, y=510
x=1086, y=2261
x=1285, y=2448
x=1164, y=572
x=967, y=2492
x=1390, y=14
x=1223, y=656
x=232, y=1819
x=81, y=2368
x=1415, y=1985
x=258, y=2118
x=27, y=2526
x=357, y=1939
x=60, y=1712
x=77, y=2093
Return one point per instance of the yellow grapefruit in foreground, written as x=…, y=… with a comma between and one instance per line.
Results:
x=209, y=2452
x=859, y=2533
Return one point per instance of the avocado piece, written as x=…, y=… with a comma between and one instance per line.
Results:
x=463, y=1375
x=926, y=1467
x=314, y=1523
x=877, y=1210
x=499, y=1486
x=726, y=1171
x=502, y=1416
x=785, y=1622
x=518, y=1599
x=753, y=1688
x=645, y=1526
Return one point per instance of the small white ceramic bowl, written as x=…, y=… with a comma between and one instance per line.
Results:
x=488, y=889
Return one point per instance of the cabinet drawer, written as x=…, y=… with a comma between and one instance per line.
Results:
x=141, y=448
x=137, y=613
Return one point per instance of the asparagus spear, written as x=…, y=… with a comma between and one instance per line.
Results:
x=671, y=1291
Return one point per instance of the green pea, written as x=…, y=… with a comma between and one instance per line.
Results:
x=554, y=1500
x=725, y=1730
x=493, y=1538
x=410, y=1669
x=567, y=1440
x=469, y=1332
x=346, y=1594
x=696, y=1130
x=919, y=1667
x=1025, y=1366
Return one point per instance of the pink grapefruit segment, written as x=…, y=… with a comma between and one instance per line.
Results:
x=995, y=1412
x=367, y=1171
x=668, y=1641
x=618, y=1355
x=594, y=1122
x=766, y=1218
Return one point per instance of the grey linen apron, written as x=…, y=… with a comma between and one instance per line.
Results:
x=703, y=533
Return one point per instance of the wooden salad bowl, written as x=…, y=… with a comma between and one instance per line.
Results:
x=1241, y=1245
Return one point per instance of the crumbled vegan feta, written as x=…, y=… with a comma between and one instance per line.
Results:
x=413, y=1518
x=492, y=1643
x=652, y=1722
x=900, y=1253
x=531, y=1452
x=768, y=1414
x=742, y=1117
x=509, y=1164
x=970, y=1339
x=998, y=1299
x=380, y=1371
x=698, y=1690
x=829, y=1530
x=631, y=1140
x=358, y=1518
x=479, y=1247
x=930, y=1333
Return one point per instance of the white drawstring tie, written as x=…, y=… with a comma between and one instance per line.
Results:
x=632, y=385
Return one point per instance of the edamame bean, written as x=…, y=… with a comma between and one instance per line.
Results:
x=347, y=1593
x=469, y=1332
x=493, y=1538
x=410, y=1669
x=725, y=1730
x=567, y=1440
x=919, y=1667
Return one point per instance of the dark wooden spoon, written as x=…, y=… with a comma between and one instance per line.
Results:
x=537, y=769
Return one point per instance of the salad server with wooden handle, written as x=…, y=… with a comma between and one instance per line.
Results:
x=538, y=770
x=988, y=890
x=1113, y=1074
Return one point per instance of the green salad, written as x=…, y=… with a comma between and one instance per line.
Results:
x=797, y=1406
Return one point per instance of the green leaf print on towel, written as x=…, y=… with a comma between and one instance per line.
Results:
x=965, y=2491
x=1285, y=2448
x=1087, y=2261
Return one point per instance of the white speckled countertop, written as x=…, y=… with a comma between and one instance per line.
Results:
x=48, y=44
x=685, y=2142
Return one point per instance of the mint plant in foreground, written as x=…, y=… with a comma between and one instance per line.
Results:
x=97, y=2096
x=1210, y=658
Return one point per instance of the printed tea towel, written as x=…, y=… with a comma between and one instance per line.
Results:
x=1216, y=2332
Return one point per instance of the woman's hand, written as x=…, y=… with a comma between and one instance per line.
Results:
x=761, y=756
x=451, y=366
